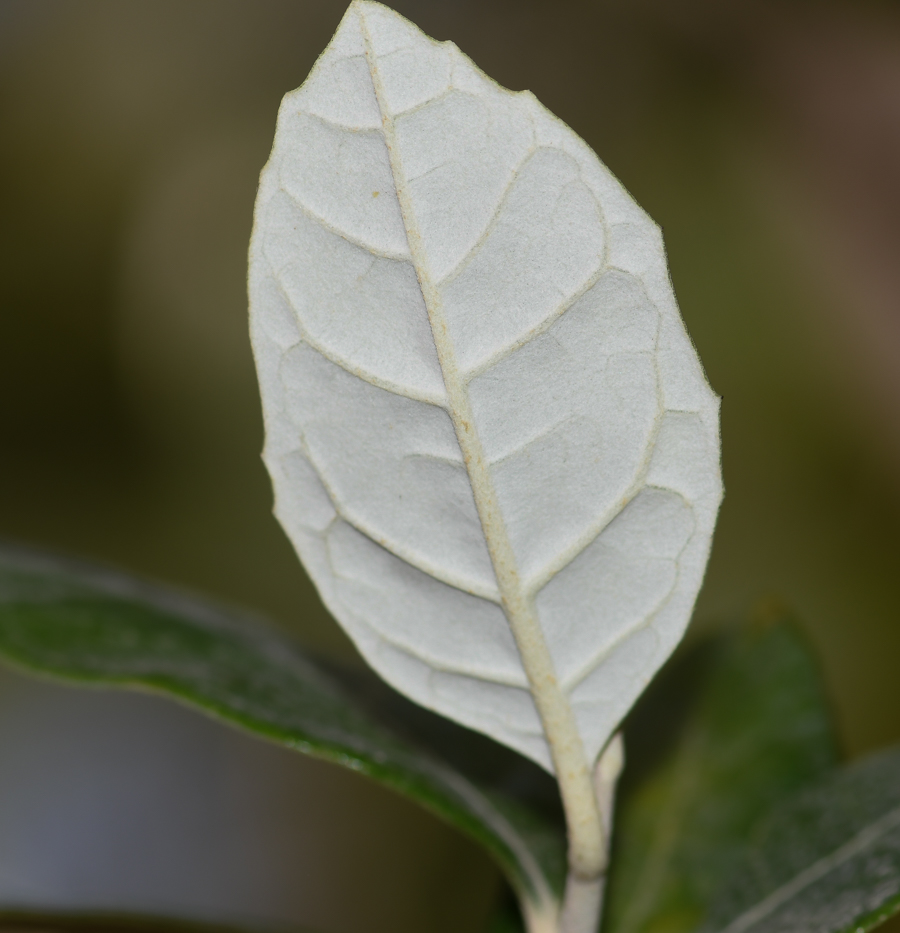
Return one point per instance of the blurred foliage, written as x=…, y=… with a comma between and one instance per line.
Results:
x=725, y=732
x=732, y=814
x=86, y=626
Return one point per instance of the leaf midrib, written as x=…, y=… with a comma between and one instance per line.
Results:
x=866, y=837
x=587, y=849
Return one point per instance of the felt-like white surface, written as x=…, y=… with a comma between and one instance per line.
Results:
x=598, y=430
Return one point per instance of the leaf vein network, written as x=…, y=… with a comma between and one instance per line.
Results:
x=337, y=124
x=354, y=369
x=423, y=104
x=350, y=238
x=408, y=556
x=536, y=330
x=491, y=222
x=639, y=625
x=441, y=666
x=552, y=567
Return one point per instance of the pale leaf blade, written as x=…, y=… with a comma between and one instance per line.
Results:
x=477, y=388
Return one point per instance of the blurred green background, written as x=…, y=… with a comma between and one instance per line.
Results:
x=763, y=136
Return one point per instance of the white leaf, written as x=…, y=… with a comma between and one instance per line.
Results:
x=490, y=437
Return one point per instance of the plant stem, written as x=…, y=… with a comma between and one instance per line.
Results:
x=584, y=821
x=583, y=902
x=586, y=846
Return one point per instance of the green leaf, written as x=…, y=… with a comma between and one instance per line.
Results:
x=89, y=625
x=826, y=861
x=729, y=728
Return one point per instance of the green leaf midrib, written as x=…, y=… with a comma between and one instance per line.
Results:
x=838, y=838
x=724, y=746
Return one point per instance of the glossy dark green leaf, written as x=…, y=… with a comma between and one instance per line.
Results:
x=728, y=729
x=826, y=861
x=89, y=625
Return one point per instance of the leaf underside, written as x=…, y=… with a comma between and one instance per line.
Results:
x=93, y=626
x=489, y=435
